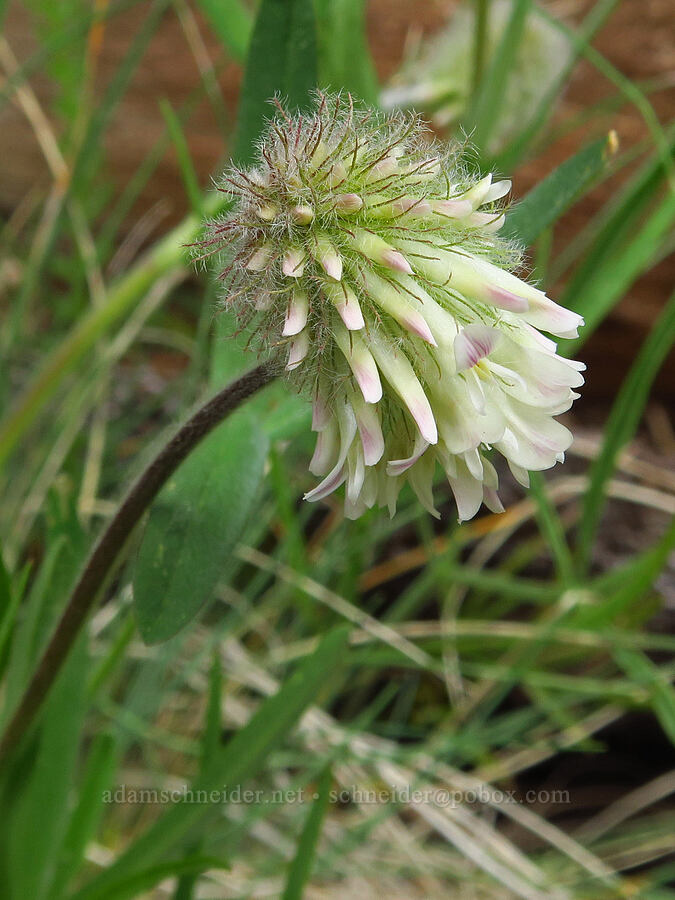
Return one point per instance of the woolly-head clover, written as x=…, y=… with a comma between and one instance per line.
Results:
x=374, y=255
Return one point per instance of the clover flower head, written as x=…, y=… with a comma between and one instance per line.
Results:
x=374, y=255
x=438, y=78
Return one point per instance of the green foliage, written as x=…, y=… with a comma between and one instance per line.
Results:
x=473, y=652
x=194, y=525
x=553, y=196
x=281, y=63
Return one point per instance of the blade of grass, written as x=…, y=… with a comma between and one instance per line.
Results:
x=546, y=202
x=301, y=867
x=552, y=529
x=483, y=113
x=614, y=276
x=622, y=424
x=237, y=762
x=185, y=164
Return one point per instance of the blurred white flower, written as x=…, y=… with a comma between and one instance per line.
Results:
x=437, y=79
x=375, y=256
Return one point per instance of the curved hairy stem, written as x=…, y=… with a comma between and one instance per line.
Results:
x=109, y=545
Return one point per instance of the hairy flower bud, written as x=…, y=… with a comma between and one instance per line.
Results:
x=377, y=261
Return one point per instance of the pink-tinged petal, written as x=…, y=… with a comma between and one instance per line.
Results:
x=347, y=429
x=552, y=317
x=378, y=250
x=296, y=313
x=302, y=214
x=361, y=362
x=332, y=265
x=325, y=451
x=399, y=466
x=489, y=222
x=382, y=169
x=504, y=299
x=298, y=350
x=260, y=258
x=392, y=259
x=293, y=264
x=474, y=343
x=370, y=431
x=328, y=258
x=453, y=209
x=396, y=368
x=414, y=207
x=394, y=301
x=321, y=414
x=348, y=203
x=347, y=305
x=330, y=483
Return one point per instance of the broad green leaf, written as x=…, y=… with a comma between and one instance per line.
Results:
x=231, y=22
x=194, y=524
x=546, y=202
x=281, y=62
x=345, y=62
x=36, y=828
x=623, y=422
x=301, y=867
x=234, y=764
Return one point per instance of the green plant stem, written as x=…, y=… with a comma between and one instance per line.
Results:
x=109, y=545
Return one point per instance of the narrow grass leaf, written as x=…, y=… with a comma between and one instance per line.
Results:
x=194, y=525
x=485, y=111
x=553, y=196
x=136, y=885
x=643, y=671
x=552, y=528
x=185, y=164
x=36, y=829
x=237, y=762
x=623, y=422
x=625, y=587
x=301, y=867
x=98, y=775
x=618, y=270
